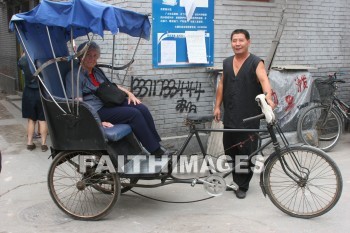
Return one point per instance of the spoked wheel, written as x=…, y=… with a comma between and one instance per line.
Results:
x=124, y=189
x=320, y=127
x=303, y=182
x=84, y=195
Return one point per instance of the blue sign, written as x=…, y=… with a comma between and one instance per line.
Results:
x=183, y=33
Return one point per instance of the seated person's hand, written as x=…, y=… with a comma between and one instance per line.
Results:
x=133, y=99
x=107, y=124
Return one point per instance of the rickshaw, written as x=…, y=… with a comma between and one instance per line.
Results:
x=91, y=165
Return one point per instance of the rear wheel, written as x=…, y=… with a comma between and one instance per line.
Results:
x=319, y=127
x=303, y=182
x=80, y=190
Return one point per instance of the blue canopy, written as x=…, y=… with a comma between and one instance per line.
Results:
x=80, y=16
x=86, y=16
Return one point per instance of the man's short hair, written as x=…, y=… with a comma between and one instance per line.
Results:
x=241, y=31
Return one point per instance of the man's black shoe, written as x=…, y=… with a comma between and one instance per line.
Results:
x=240, y=194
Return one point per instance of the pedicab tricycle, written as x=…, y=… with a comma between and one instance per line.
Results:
x=93, y=165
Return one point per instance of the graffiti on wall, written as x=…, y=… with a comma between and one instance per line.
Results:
x=169, y=88
x=186, y=105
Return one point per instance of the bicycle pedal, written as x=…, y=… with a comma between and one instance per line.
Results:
x=194, y=182
x=233, y=186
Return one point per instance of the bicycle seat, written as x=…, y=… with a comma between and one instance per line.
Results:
x=197, y=118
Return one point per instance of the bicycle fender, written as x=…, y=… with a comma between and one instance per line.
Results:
x=262, y=181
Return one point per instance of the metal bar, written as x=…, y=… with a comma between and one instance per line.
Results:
x=78, y=74
x=200, y=143
x=72, y=65
x=184, y=145
x=232, y=130
x=178, y=181
x=133, y=56
x=113, y=48
x=58, y=69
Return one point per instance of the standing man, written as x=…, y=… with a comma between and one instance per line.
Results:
x=244, y=77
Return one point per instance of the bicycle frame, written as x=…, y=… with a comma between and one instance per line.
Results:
x=336, y=103
x=272, y=140
x=342, y=107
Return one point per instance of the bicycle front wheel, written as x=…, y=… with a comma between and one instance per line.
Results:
x=319, y=127
x=303, y=182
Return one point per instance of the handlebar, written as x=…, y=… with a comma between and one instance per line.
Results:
x=266, y=109
x=262, y=115
x=332, y=79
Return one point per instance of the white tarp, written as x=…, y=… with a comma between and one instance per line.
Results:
x=291, y=89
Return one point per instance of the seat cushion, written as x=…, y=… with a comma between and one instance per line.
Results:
x=117, y=132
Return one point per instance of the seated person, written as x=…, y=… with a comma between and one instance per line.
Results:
x=131, y=111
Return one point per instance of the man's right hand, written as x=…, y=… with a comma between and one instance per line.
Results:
x=217, y=114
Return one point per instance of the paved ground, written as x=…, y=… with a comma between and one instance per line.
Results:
x=26, y=206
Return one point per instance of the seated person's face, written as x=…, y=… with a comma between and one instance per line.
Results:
x=90, y=59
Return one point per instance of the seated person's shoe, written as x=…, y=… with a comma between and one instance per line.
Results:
x=31, y=147
x=240, y=194
x=168, y=152
x=163, y=152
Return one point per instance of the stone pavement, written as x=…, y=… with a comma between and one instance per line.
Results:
x=26, y=206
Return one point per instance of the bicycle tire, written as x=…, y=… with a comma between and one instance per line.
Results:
x=82, y=196
x=312, y=196
x=315, y=130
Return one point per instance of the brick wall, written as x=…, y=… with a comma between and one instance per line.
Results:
x=316, y=33
x=8, y=55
